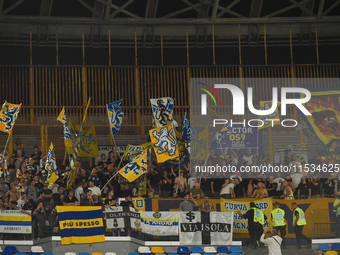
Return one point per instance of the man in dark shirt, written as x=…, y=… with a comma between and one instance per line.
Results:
x=153, y=183
x=47, y=197
x=36, y=155
x=70, y=199
x=58, y=197
x=239, y=189
x=328, y=188
x=127, y=202
x=315, y=187
x=304, y=189
x=255, y=228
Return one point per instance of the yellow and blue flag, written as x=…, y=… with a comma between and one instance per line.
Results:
x=324, y=106
x=15, y=221
x=135, y=168
x=88, y=146
x=164, y=142
x=81, y=224
x=72, y=174
x=187, y=129
x=51, y=166
x=8, y=116
x=199, y=145
x=135, y=149
x=219, y=135
x=115, y=115
x=267, y=119
x=67, y=134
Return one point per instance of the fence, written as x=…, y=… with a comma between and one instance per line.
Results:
x=44, y=90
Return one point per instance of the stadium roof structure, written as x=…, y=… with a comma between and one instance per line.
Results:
x=222, y=22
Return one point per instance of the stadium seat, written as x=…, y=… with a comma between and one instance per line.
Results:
x=172, y=253
x=38, y=249
x=83, y=253
x=208, y=253
x=331, y=253
x=170, y=249
x=210, y=249
x=197, y=249
x=107, y=253
x=47, y=253
x=335, y=247
x=133, y=253
x=21, y=253
x=221, y=253
x=143, y=249
x=234, y=253
x=7, y=253
x=97, y=253
x=324, y=247
x=12, y=249
x=70, y=253
x=236, y=249
x=34, y=253
x=157, y=249
x=159, y=253
x=195, y=253
x=183, y=249
x=222, y=249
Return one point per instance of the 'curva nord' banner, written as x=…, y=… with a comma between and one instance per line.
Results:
x=241, y=225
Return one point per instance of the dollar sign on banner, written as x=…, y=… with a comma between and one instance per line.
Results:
x=190, y=216
x=115, y=223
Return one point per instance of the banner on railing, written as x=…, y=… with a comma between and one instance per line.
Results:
x=122, y=217
x=215, y=228
x=14, y=221
x=240, y=224
x=160, y=223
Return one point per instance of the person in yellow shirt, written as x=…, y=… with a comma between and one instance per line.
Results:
x=299, y=221
x=278, y=222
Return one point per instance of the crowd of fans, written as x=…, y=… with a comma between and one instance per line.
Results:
x=24, y=184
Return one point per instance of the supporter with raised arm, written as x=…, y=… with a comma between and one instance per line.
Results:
x=260, y=192
x=187, y=205
x=227, y=190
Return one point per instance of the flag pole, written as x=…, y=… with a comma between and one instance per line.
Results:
x=9, y=134
x=109, y=180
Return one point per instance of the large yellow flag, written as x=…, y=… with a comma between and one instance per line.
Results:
x=199, y=145
x=135, y=168
x=164, y=142
x=88, y=146
x=8, y=116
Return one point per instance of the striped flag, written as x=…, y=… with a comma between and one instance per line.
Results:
x=14, y=221
x=81, y=224
x=51, y=166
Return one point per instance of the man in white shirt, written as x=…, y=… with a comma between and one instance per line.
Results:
x=273, y=242
x=95, y=190
x=279, y=180
x=79, y=191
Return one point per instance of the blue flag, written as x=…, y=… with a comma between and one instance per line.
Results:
x=115, y=115
x=187, y=129
x=219, y=135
